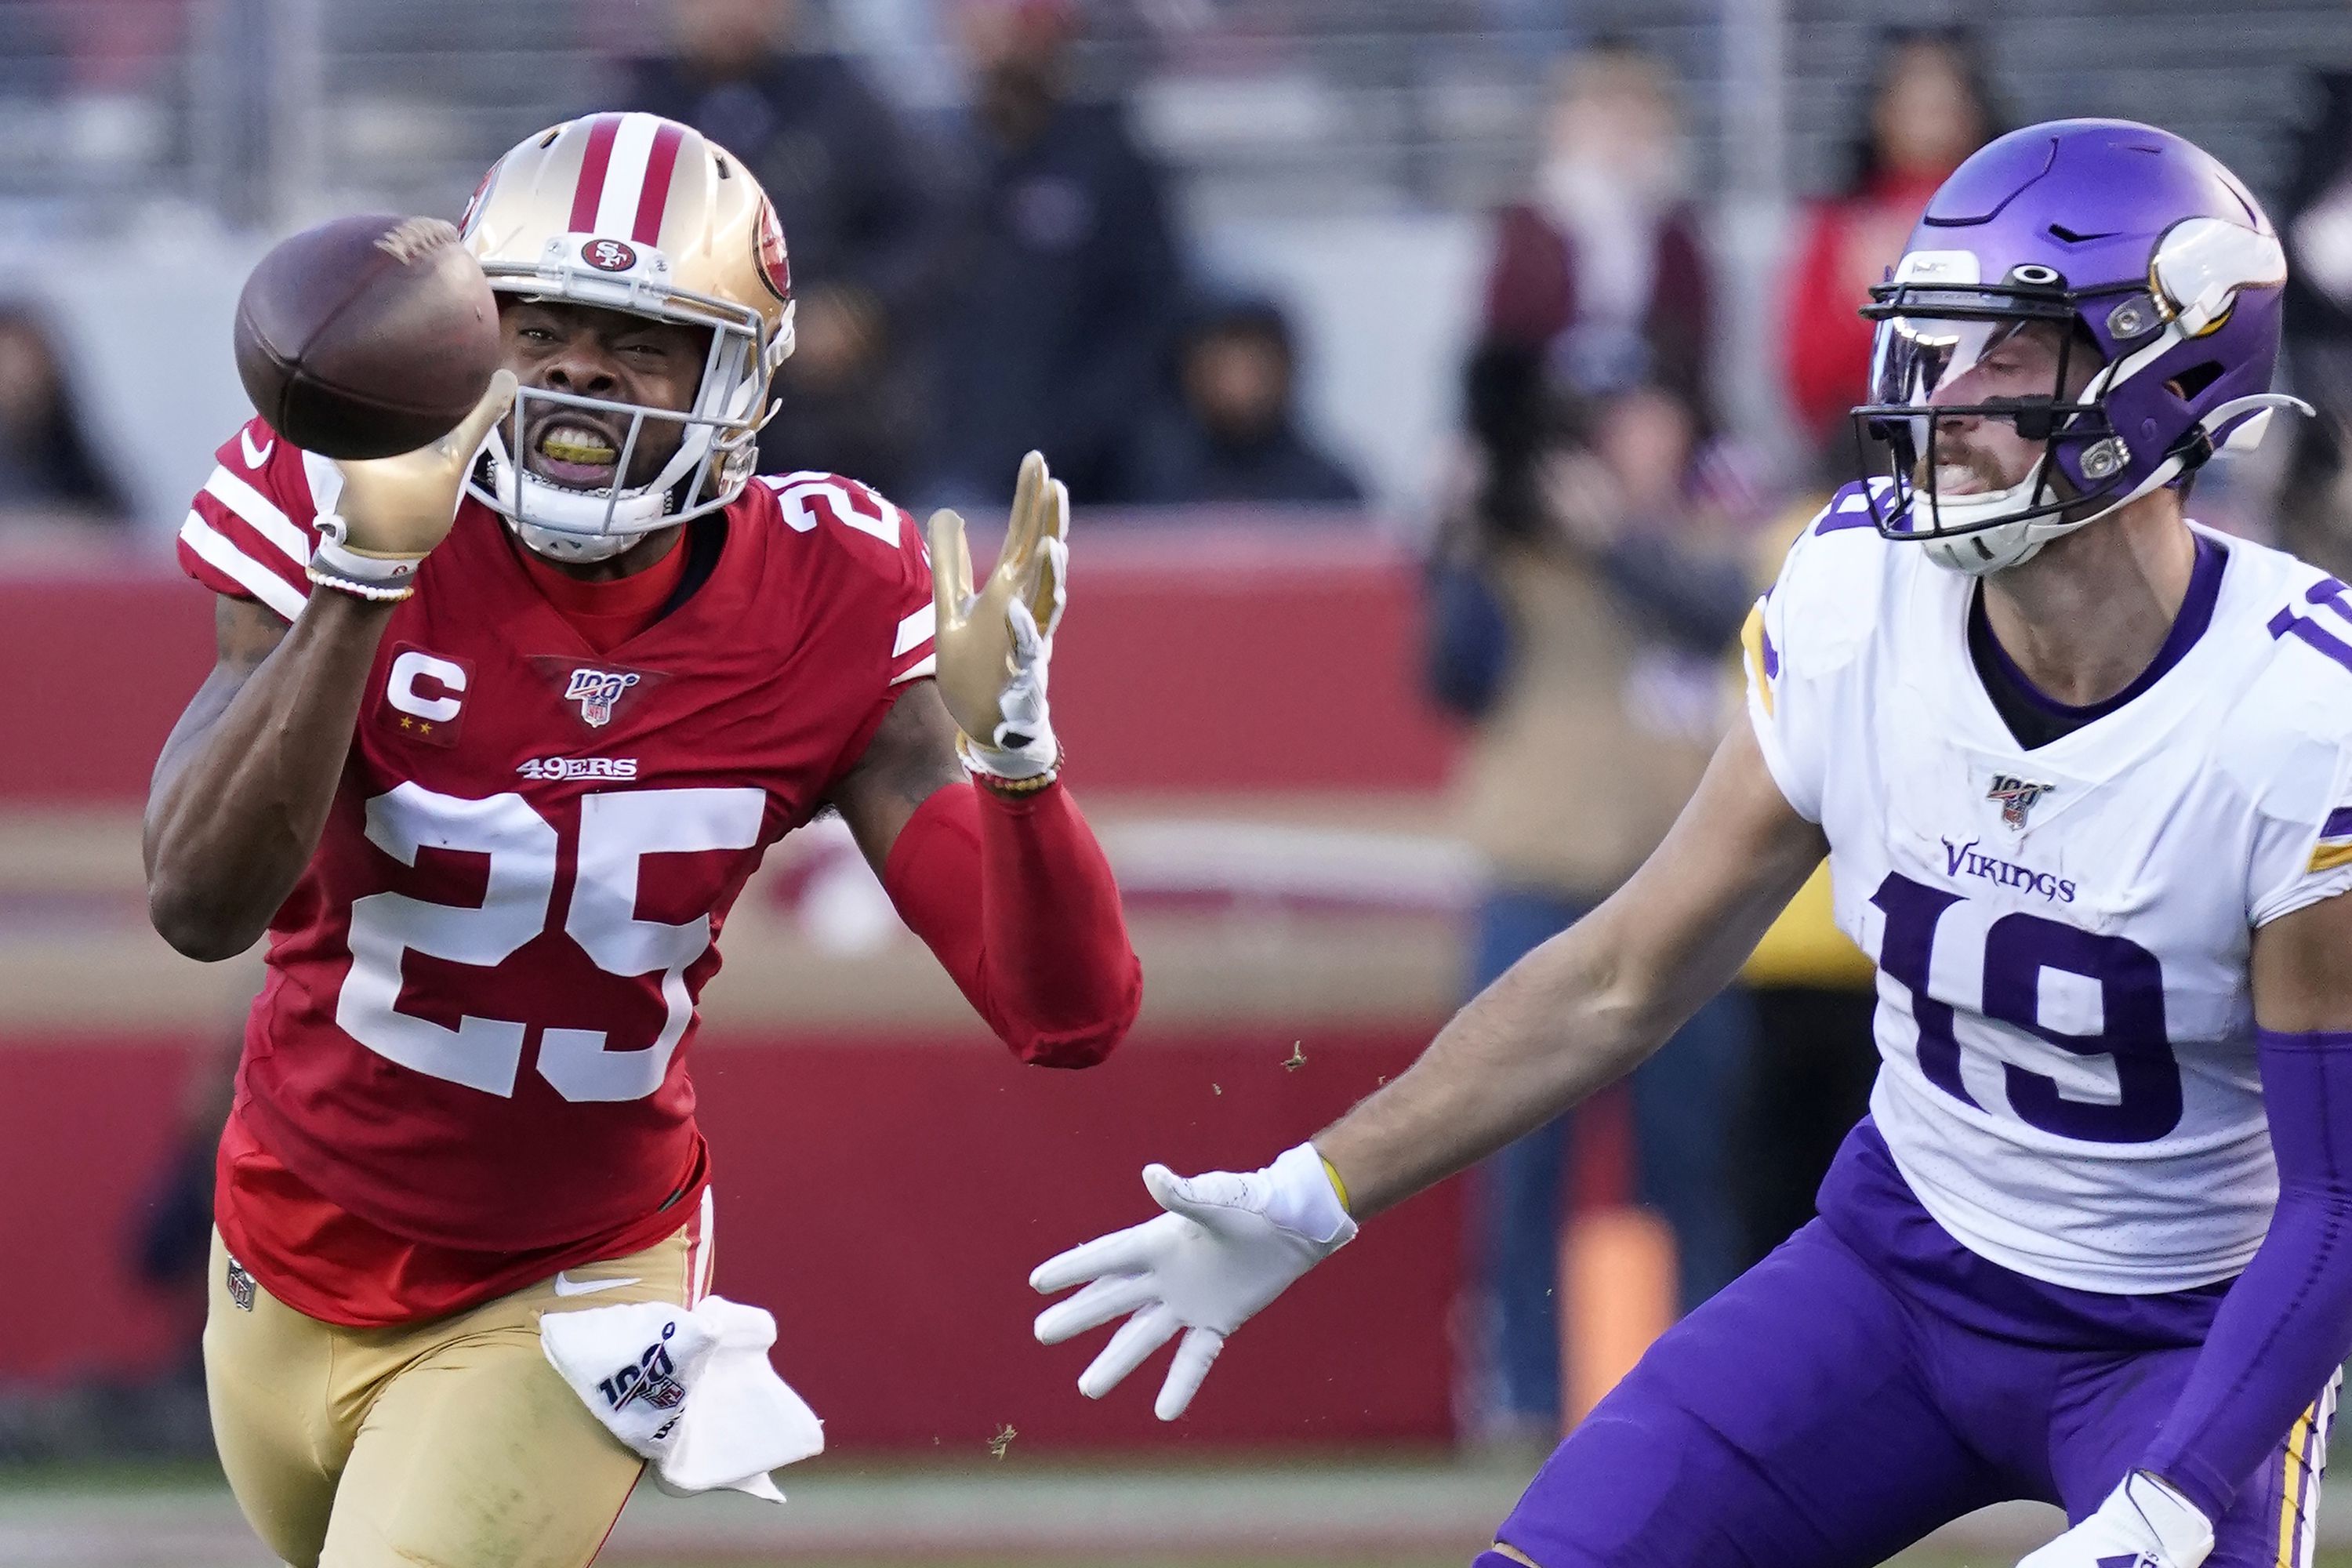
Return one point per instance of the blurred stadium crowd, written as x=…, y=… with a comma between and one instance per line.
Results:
x=1560, y=297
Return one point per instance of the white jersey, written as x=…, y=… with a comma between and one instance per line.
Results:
x=2068, y=1074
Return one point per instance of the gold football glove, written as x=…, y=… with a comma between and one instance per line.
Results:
x=391, y=510
x=993, y=646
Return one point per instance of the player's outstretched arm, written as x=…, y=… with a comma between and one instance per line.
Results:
x=2286, y=1324
x=1584, y=1008
x=1577, y=1012
x=1001, y=876
x=241, y=791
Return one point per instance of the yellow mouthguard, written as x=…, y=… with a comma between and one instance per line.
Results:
x=565, y=451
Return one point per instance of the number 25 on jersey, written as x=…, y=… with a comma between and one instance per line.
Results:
x=617, y=830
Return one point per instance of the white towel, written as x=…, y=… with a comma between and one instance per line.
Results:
x=690, y=1388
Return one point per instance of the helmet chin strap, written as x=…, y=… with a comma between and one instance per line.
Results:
x=2003, y=545
x=576, y=547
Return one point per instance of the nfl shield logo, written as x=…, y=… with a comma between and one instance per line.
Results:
x=240, y=1286
x=598, y=691
x=2017, y=796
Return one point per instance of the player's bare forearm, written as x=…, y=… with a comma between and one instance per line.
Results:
x=1585, y=1007
x=242, y=788
x=1542, y=1038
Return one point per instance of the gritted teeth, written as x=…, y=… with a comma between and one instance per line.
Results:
x=1957, y=479
x=572, y=442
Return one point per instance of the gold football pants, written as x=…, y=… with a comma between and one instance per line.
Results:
x=449, y=1444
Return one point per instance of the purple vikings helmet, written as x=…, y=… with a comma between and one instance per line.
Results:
x=2149, y=255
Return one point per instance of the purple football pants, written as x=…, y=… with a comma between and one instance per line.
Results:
x=1854, y=1391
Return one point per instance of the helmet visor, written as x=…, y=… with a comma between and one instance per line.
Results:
x=1964, y=361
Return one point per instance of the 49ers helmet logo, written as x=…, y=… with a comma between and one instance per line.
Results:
x=608, y=255
x=775, y=267
x=474, y=203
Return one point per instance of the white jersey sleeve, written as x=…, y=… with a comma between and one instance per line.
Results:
x=2293, y=747
x=1802, y=640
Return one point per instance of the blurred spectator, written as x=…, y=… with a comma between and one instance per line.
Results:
x=47, y=465
x=1928, y=108
x=1590, y=582
x=1231, y=432
x=842, y=173
x=154, y=1411
x=172, y=1239
x=1602, y=268
x=1056, y=284
x=171, y=1252
x=123, y=47
x=2315, y=219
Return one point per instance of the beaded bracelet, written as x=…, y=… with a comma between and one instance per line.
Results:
x=373, y=593
x=1030, y=786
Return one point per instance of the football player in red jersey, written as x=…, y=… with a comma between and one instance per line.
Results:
x=498, y=732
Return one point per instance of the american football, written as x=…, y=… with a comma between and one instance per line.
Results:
x=367, y=336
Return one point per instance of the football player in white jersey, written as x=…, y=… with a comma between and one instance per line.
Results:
x=2083, y=769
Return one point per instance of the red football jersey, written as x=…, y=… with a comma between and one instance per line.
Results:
x=479, y=996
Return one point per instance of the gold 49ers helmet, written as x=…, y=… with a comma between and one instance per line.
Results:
x=635, y=213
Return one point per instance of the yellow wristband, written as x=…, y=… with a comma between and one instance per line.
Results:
x=1338, y=1185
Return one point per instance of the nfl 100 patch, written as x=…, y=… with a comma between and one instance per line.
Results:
x=596, y=691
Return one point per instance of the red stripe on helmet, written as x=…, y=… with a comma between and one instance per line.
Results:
x=592, y=164
x=654, y=195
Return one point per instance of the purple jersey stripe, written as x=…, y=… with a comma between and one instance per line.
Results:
x=2339, y=823
x=2334, y=647
x=1854, y=506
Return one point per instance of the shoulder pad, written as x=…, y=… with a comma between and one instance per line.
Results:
x=1828, y=595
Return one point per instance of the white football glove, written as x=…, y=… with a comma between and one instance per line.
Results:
x=2143, y=1524
x=1228, y=1244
